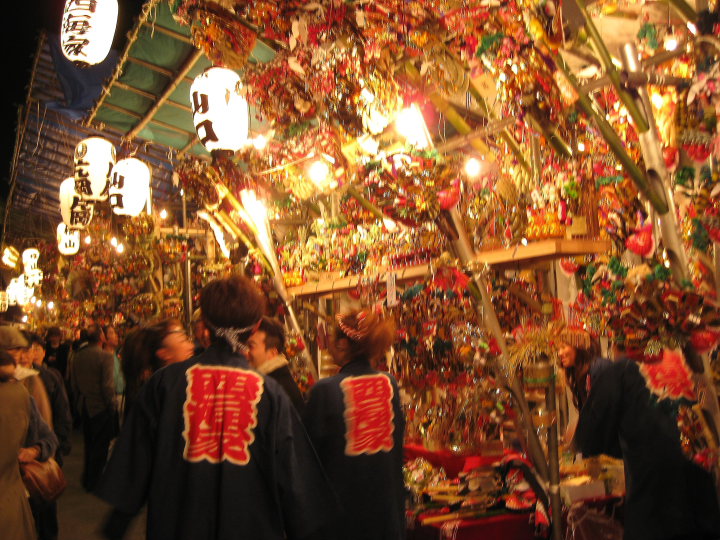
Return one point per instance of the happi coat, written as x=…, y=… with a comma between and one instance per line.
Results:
x=668, y=496
x=218, y=452
x=357, y=427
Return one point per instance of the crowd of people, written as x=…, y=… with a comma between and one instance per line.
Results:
x=210, y=431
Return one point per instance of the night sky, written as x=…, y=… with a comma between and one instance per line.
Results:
x=28, y=19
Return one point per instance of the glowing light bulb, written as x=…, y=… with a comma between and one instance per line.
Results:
x=51, y=305
x=473, y=167
x=24, y=318
x=410, y=124
x=163, y=214
x=38, y=303
x=260, y=142
x=114, y=242
x=120, y=248
x=671, y=43
x=88, y=240
x=318, y=172
x=581, y=147
x=657, y=100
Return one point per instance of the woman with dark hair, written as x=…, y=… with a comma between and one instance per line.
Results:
x=357, y=427
x=215, y=448
x=147, y=349
x=581, y=366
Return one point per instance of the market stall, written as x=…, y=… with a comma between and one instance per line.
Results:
x=500, y=177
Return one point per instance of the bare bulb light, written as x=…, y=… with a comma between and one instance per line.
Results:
x=318, y=171
x=410, y=124
x=163, y=214
x=473, y=167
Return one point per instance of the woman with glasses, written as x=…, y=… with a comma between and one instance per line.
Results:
x=147, y=349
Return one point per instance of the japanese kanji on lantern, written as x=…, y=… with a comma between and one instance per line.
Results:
x=94, y=161
x=32, y=274
x=76, y=213
x=129, y=187
x=18, y=293
x=68, y=240
x=87, y=30
x=220, y=113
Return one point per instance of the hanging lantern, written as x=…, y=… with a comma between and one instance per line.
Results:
x=4, y=301
x=76, y=213
x=129, y=187
x=87, y=31
x=68, y=240
x=220, y=113
x=94, y=160
x=10, y=257
x=30, y=258
x=18, y=293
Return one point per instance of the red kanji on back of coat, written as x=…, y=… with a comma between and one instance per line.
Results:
x=220, y=413
x=368, y=414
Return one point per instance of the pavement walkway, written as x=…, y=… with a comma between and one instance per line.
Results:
x=80, y=514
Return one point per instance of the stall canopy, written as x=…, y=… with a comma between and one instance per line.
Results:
x=48, y=131
x=148, y=95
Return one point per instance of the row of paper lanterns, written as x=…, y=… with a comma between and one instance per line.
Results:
x=21, y=289
x=98, y=177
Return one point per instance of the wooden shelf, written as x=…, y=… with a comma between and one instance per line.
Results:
x=516, y=256
x=544, y=250
x=340, y=284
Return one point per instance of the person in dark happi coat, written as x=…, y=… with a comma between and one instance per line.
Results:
x=633, y=414
x=357, y=427
x=216, y=449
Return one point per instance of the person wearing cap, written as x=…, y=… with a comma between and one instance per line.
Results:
x=92, y=377
x=24, y=437
x=215, y=448
x=265, y=354
x=14, y=342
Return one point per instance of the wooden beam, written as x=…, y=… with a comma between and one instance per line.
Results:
x=189, y=63
x=150, y=96
x=172, y=33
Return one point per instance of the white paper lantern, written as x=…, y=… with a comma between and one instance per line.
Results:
x=33, y=278
x=10, y=256
x=129, y=187
x=220, y=113
x=76, y=213
x=18, y=293
x=94, y=160
x=30, y=258
x=68, y=240
x=87, y=30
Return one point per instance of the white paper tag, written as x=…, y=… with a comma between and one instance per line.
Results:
x=391, y=290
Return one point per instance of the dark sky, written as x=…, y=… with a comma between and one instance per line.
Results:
x=24, y=21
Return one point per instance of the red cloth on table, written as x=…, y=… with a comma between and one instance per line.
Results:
x=502, y=527
x=453, y=463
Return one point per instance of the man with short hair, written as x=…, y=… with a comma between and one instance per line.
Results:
x=215, y=448
x=93, y=383
x=265, y=351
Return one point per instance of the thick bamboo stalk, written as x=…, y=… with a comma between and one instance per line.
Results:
x=614, y=142
x=505, y=134
x=452, y=116
x=641, y=124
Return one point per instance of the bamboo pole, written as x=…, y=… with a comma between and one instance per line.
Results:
x=457, y=235
x=444, y=107
x=641, y=124
x=614, y=142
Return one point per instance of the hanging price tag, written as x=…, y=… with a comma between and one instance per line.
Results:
x=391, y=290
